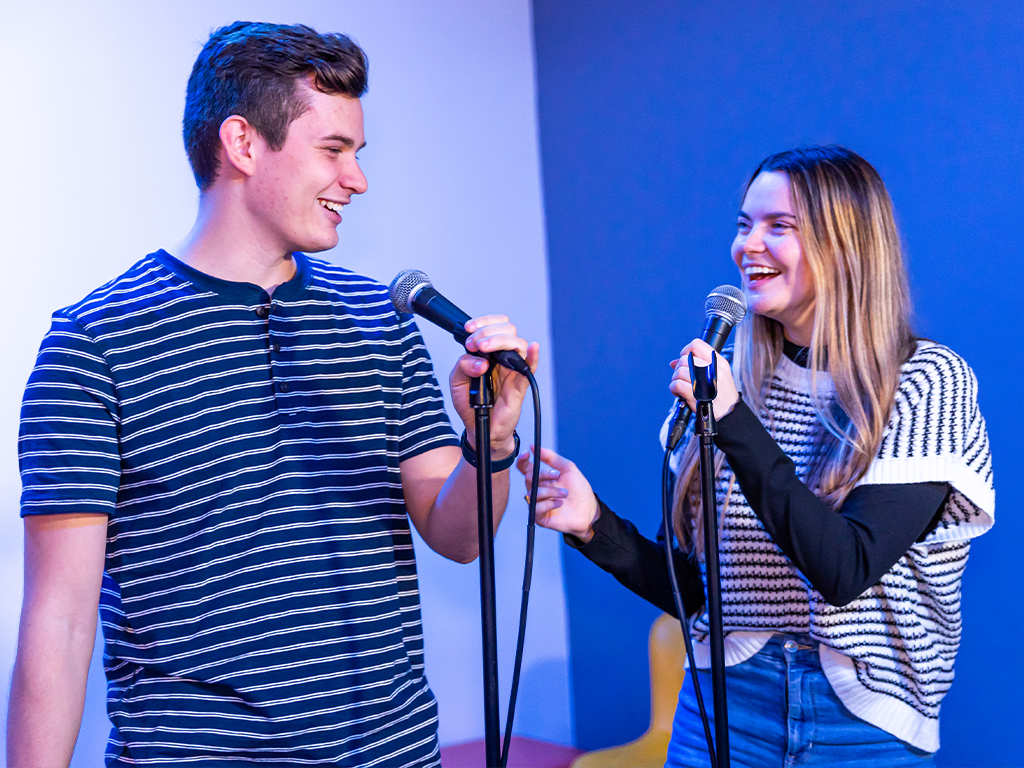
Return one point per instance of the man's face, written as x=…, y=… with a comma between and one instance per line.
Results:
x=297, y=193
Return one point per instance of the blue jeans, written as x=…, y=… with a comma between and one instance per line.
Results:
x=782, y=712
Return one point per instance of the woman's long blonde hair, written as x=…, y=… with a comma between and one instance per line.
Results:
x=861, y=333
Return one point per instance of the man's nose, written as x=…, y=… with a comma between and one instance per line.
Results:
x=355, y=180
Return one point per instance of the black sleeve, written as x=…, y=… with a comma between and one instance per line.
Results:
x=841, y=554
x=639, y=563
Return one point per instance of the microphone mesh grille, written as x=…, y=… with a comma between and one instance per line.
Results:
x=726, y=301
x=404, y=287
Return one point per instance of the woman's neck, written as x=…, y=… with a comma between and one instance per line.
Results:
x=798, y=354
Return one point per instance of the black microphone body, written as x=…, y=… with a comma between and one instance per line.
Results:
x=424, y=300
x=725, y=307
x=430, y=304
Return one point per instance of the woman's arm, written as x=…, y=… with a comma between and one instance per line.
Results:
x=567, y=504
x=639, y=563
x=841, y=552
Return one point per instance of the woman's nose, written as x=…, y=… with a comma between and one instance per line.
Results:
x=753, y=242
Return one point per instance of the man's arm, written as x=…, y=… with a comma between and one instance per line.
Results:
x=439, y=484
x=440, y=494
x=63, y=575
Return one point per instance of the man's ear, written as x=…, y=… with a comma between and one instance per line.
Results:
x=237, y=137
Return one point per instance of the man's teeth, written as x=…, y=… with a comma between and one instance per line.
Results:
x=336, y=207
x=757, y=271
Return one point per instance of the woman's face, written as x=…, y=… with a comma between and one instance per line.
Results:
x=776, y=278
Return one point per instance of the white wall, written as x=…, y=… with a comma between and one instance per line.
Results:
x=95, y=176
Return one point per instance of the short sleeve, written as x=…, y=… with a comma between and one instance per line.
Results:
x=68, y=442
x=936, y=433
x=424, y=423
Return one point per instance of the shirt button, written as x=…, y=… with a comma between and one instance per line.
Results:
x=277, y=346
x=790, y=645
x=262, y=312
x=283, y=386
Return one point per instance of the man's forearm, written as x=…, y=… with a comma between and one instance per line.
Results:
x=452, y=528
x=63, y=573
x=47, y=692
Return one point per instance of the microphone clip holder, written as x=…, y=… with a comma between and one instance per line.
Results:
x=705, y=388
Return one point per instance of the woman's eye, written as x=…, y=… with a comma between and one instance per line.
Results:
x=743, y=226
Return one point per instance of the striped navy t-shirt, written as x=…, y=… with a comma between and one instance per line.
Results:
x=259, y=601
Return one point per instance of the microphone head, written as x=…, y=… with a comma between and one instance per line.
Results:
x=405, y=286
x=727, y=302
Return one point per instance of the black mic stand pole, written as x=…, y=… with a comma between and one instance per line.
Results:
x=481, y=397
x=705, y=387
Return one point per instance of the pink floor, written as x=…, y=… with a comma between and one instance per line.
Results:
x=523, y=753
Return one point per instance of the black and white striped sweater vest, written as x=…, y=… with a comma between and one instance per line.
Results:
x=889, y=653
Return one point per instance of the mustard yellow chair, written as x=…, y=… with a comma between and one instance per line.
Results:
x=667, y=653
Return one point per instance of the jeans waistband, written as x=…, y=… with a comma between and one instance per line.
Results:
x=794, y=641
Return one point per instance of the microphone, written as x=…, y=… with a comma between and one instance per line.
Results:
x=724, y=308
x=412, y=291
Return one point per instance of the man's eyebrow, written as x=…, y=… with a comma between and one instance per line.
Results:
x=341, y=139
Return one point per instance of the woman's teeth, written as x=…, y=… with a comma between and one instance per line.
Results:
x=755, y=273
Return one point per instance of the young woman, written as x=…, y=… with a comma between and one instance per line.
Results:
x=853, y=470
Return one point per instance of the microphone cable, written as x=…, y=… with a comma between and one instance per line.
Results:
x=531, y=528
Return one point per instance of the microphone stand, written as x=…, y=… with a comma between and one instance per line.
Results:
x=481, y=397
x=705, y=387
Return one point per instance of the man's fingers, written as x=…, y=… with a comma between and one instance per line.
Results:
x=472, y=326
x=471, y=366
x=533, y=356
x=497, y=341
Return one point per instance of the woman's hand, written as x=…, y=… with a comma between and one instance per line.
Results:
x=681, y=386
x=565, y=501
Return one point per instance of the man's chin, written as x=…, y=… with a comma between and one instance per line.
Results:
x=318, y=246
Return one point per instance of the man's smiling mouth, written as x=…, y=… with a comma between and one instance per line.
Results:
x=330, y=205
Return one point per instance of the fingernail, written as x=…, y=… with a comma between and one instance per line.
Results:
x=555, y=473
x=563, y=491
x=557, y=502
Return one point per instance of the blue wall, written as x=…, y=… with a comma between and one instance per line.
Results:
x=651, y=116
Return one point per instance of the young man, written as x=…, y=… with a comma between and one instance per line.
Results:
x=222, y=448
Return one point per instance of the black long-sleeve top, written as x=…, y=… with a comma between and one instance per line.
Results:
x=840, y=552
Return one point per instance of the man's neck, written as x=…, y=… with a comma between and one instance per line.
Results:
x=230, y=248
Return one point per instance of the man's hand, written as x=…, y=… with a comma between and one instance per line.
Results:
x=439, y=486
x=492, y=333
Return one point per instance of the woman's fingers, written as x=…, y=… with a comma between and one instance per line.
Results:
x=557, y=463
x=525, y=463
x=701, y=351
